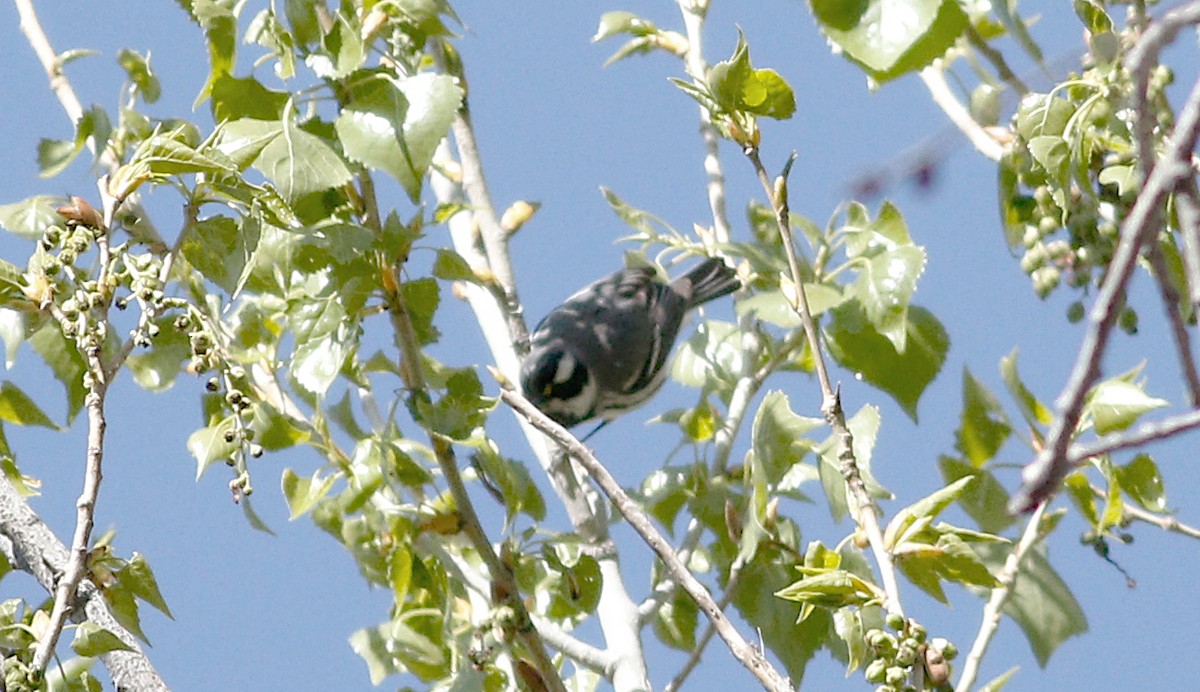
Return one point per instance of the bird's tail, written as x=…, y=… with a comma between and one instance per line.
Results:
x=709, y=280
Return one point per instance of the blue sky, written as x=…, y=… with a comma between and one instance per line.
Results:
x=273, y=613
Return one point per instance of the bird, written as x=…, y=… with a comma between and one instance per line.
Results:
x=602, y=351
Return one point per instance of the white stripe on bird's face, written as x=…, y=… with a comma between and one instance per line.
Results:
x=565, y=369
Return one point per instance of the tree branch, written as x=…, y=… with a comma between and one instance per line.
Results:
x=693, y=12
x=864, y=510
x=1043, y=476
x=588, y=514
x=1187, y=209
x=1147, y=432
x=30, y=546
x=1183, y=342
x=748, y=655
x=939, y=91
x=1000, y=595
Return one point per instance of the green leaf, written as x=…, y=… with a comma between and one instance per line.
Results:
x=395, y=126
x=302, y=494
x=950, y=559
x=64, y=361
x=460, y=411
x=984, y=428
x=125, y=608
x=217, y=19
x=925, y=509
x=1141, y=481
x=646, y=223
x=165, y=155
x=222, y=249
x=422, y=296
x=1041, y=603
x=774, y=307
x=889, y=38
x=712, y=354
x=884, y=287
x=778, y=435
x=208, y=445
x=373, y=646
x=1080, y=491
x=616, y=23
x=738, y=87
x=1033, y=410
x=985, y=500
x=1124, y=176
x=54, y=155
x=699, y=424
x=31, y=217
x=1093, y=16
x=236, y=98
x=93, y=640
x=997, y=683
x=297, y=162
x=1116, y=404
x=344, y=50
x=793, y=640
x=155, y=370
x=675, y=621
x=140, y=74
x=450, y=266
x=858, y=346
x=1054, y=155
x=16, y=407
x=326, y=337
x=835, y=588
x=513, y=482
x=137, y=576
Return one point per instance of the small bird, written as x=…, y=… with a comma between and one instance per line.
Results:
x=602, y=352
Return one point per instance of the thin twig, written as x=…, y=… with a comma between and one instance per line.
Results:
x=997, y=59
x=745, y=653
x=1043, y=476
x=831, y=405
x=1183, y=342
x=939, y=91
x=1187, y=208
x=993, y=610
x=693, y=21
x=1147, y=432
x=85, y=506
x=1165, y=522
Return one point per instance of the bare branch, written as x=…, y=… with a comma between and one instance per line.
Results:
x=939, y=91
x=1147, y=432
x=748, y=655
x=693, y=12
x=1183, y=342
x=995, y=57
x=1187, y=208
x=864, y=510
x=992, y=611
x=89, y=345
